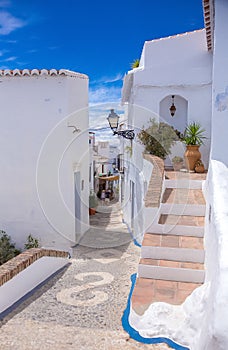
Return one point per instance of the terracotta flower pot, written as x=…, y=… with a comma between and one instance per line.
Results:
x=178, y=166
x=199, y=168
x=192, y=154
x=92, y=211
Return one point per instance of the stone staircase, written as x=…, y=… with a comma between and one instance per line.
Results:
x=172, y=248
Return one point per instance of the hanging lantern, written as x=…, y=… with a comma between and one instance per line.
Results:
x=172, y=108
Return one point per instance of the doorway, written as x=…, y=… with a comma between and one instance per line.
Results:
x=77, y=200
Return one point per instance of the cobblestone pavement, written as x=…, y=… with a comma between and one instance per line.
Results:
x=80, y=307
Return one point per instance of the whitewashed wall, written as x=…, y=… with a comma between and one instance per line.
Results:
x=213, y=333
x=138, y=171
x=37, y=142
x=178, y=65
x=220, y=84
x=215, y=324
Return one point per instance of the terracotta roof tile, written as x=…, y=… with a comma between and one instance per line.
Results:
x=208, y=10
x=40, y=72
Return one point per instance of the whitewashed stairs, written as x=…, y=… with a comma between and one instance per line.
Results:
x=172, y=248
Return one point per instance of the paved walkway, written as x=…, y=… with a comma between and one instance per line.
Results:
x=81, y=307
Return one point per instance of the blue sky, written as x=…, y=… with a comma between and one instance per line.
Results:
x=99, y=38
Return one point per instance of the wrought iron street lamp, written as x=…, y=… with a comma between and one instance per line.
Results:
x=113, y=120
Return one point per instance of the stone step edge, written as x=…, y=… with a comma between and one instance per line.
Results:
x=184, y=183
x=173, y=254
x=182, y=209
x=178, y=230
x=171, y=274
x=150, y=262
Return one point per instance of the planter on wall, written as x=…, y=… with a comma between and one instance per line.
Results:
x=92, y=211
x=178, y=166
x=192, y=154
x=200, y=169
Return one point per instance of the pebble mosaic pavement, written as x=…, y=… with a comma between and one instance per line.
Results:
x=80, y=307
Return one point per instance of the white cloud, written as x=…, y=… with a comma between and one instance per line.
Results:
x=10, y=59
x=107, y=80
x=11, y=41
x=32, y=51
x=101, y=94
x=98, y=121
x=9, y=23
x=2, y=52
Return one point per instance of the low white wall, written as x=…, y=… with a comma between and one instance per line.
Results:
x=138, y=171
x=220, y=83
x=26, y=280
x=214, y=333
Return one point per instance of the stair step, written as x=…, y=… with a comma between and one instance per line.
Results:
x=172, y=263
x=191, y=184
x=180, y=209
x=183, y=196
x=171, y=241
x=170, y=273
x=175, y=254
x=187, y=220
x=179, y=230
x=147, y=291
x=180, y=175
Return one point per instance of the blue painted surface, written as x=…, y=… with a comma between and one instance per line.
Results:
x=135, y=334
x=129, y=230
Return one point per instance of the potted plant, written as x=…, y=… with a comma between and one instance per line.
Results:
x=92, y=203
x=199, y=167
x=193, y=138
x=177, y=163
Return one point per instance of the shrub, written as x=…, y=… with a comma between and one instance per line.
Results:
x=7, y=248
x=92, y=200
x=177, y=159
x=135, y=63
x=31, y=242
x=158, y=138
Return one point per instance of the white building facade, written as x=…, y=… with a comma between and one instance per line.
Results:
x=178, y=66
x=192, y=67
x=44, y=156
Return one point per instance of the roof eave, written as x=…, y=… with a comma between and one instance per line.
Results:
x=208, y=11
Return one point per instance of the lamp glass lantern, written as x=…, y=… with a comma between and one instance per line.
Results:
x=113, y=120
x=172, y=108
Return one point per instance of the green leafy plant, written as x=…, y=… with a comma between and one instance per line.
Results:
x=7, y=248
x=135, y=63
x=31, y=242
x=158, y=138
x=177, y=159
x=193, y=134
x=92, y=200
x=128, y=149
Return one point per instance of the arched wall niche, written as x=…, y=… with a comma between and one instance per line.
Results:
x=180, y=120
